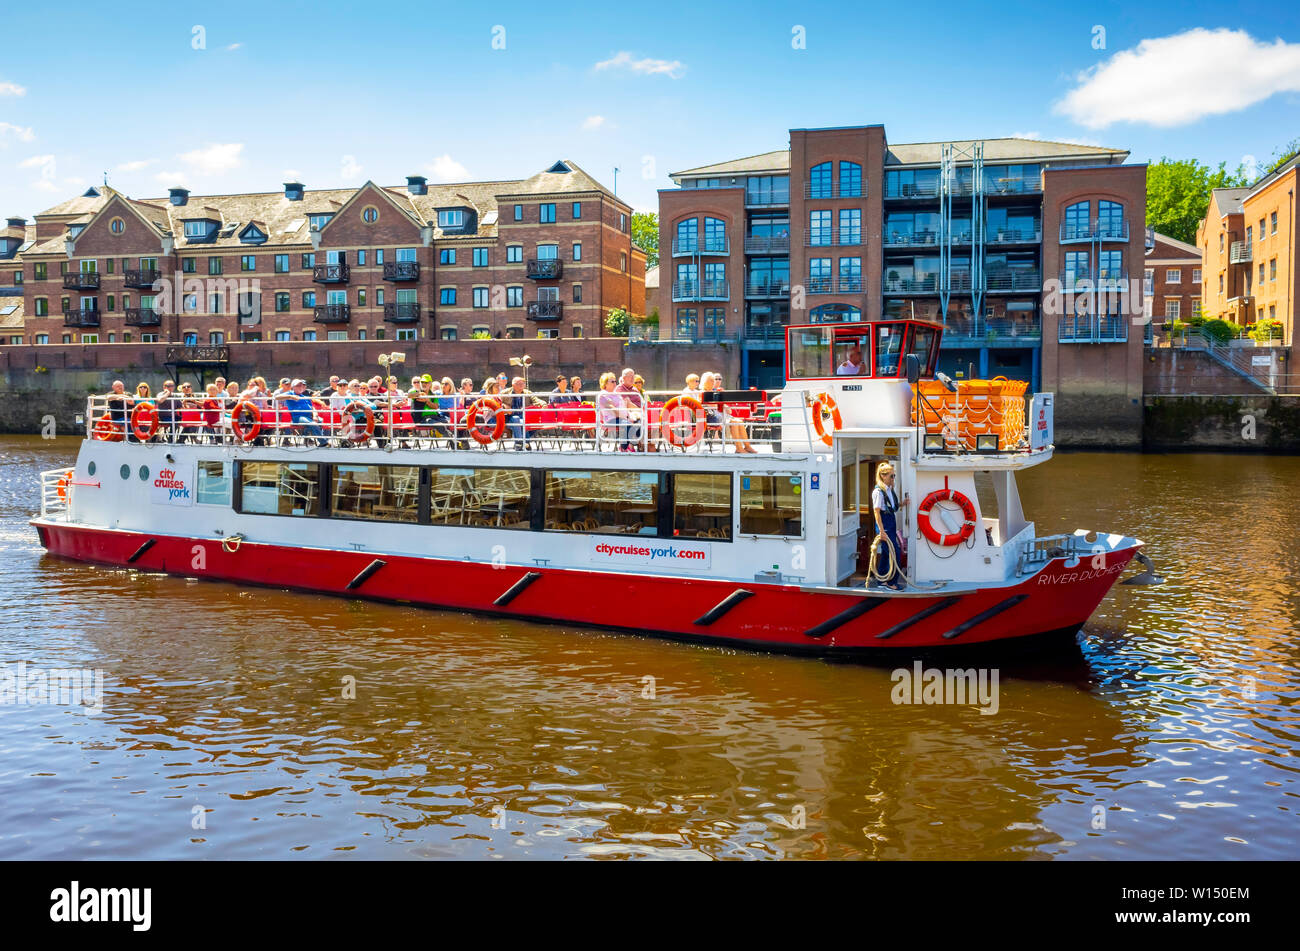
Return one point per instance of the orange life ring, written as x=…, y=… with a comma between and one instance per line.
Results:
x=471, y=420
x=247, y=435
x=147, y=411
x=698, y=421
x=822, y=404
x=107, y=430
x=350, y=416
x=967, y=510
x=62, y=487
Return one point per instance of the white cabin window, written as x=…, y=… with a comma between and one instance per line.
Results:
x=771, y=504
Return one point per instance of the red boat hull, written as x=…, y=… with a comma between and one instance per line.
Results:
x=768, y=617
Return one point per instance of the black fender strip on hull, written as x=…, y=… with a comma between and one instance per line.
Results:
x=139, y=552
x=723, y=606
x=844, y=617
x=918, y=616
x=516, y=589
x=365, y=573
x=983, y=616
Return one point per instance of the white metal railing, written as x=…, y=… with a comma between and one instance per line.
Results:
x=584, y=422
x=56, y=493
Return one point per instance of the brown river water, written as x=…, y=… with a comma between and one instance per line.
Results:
x=1171, y=732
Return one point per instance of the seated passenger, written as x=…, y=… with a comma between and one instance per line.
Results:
x=302, y=413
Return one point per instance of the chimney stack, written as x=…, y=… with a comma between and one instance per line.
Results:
x=178, y=196
x=293, y=191
x=417, y=184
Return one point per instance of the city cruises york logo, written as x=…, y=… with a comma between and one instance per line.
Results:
x=78, y=904
x=930, y=685
x=172, y=485
x=657, y=553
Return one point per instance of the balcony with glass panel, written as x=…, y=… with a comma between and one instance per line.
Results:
x=767, y=286
x=899, y=283
x=767, y=244
x=1090, y=328
x=1103, y=229
x=925, y=190
x=719, y=245
x=1013, y=280
x=692, y=290
x=911, y=239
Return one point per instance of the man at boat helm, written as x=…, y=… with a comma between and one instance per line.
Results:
x=852, y=364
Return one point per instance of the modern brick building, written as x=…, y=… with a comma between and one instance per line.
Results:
x=1250, y=252
x=1029, y=251
x=1172, y=278
x=547, y=256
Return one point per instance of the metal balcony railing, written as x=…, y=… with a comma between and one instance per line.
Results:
x=895, y=189
x=401, y=270
x=330, y=274
x=779, y=199
x=78, y=317
x=1015, y=236
x=402, y=312
x=767, y=287
x=331, y=313
x=1014, y=279
x=141, y=277
x=912, y=239
x=832, y=237
x=81, y=281
x=1099, y=229
x=719, y=246
x=1240, y=252
x=824, y=192
x=141, y=317
x=848, y=285
x=762, y=244
x=819, y=285
x=689, y=290
x=995, y=331
x=926, y=284
x=545, y=310
x=545, y=269
x=1087, y=279
x=1100, y=328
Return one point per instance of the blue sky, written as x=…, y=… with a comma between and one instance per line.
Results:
x=341, y=93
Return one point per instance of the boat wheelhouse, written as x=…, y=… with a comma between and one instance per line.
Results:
x=726, y=516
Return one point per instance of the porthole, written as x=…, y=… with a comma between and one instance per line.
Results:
x=370, y=214
x=90, y=469
x=117, y=226
x=144, y=473
x=125, y=471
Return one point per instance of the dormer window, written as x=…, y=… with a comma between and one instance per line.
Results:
x=316, y=222
x=252, y=235
x=74, y=230
x=196, y=229
x=451, y=219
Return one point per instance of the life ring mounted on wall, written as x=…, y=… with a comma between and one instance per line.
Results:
x=825, y=404
x=927, y=528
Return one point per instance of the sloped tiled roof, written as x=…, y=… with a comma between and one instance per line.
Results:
x=14, y=319
x=1228, y=200
x=83, y=204
x=1275, y=174
x=1176, y=245
x=550, y=182
x=778, y=161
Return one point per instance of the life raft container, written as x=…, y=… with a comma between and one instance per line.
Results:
x=928, y=530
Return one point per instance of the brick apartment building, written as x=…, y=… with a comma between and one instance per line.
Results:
x=1250, y=253
x=547, y=256
x=1029, y=251
x=1172, y=279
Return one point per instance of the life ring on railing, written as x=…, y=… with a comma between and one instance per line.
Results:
x=236, y=423
x=350, y=431
x=107, y=430
x=927, y=529
x=61, y=487
x=699, y=420
x=471, y=420
x=825, y=403
x=148, y=412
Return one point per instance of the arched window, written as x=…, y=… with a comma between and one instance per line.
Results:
x=688, y=234
x=1076, y=221
x=834, y=313
x=850, y=180
x=715, y=235
x=1110, y=219
x=819, y=181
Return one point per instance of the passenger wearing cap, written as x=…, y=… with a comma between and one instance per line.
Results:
x=302, y=414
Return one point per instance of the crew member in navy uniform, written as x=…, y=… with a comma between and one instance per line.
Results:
x=884, y=504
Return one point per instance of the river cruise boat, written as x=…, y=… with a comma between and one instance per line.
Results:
x=730, y=517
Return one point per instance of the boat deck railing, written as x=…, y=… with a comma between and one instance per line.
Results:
x=583, y=422
x=57, y=486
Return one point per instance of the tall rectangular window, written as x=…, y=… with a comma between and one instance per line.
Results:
x=850, y=226
x=577, y=210
x=819, y=228
x=480, y=257
x=702, y=505
x=514, y=253
x=519, y=212
x=248, y=262
x=480, y=297
x=447, y=295
x=214, y=265
x=547, y=213
x=447, y=256
x=282, y=264
x=577, y=250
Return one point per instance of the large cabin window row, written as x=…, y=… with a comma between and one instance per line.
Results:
x=659, y=504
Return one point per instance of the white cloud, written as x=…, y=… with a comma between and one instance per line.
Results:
x=234, y=46
x=650, y=67
x=135, y=166
x=215, y=158
x=169, y=178
x=11, y=89
x=37, y=161
x=45, y=185
x=592, y=122
x=350, y=169
x=1174, y=80
x=444, y=168
x=21, y=133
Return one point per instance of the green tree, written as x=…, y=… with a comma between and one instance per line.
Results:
x=616, y=322
x=645, y=234
x=1283, y=155
x=1178, y=194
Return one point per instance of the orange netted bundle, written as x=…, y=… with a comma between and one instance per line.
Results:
x=977, y=408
